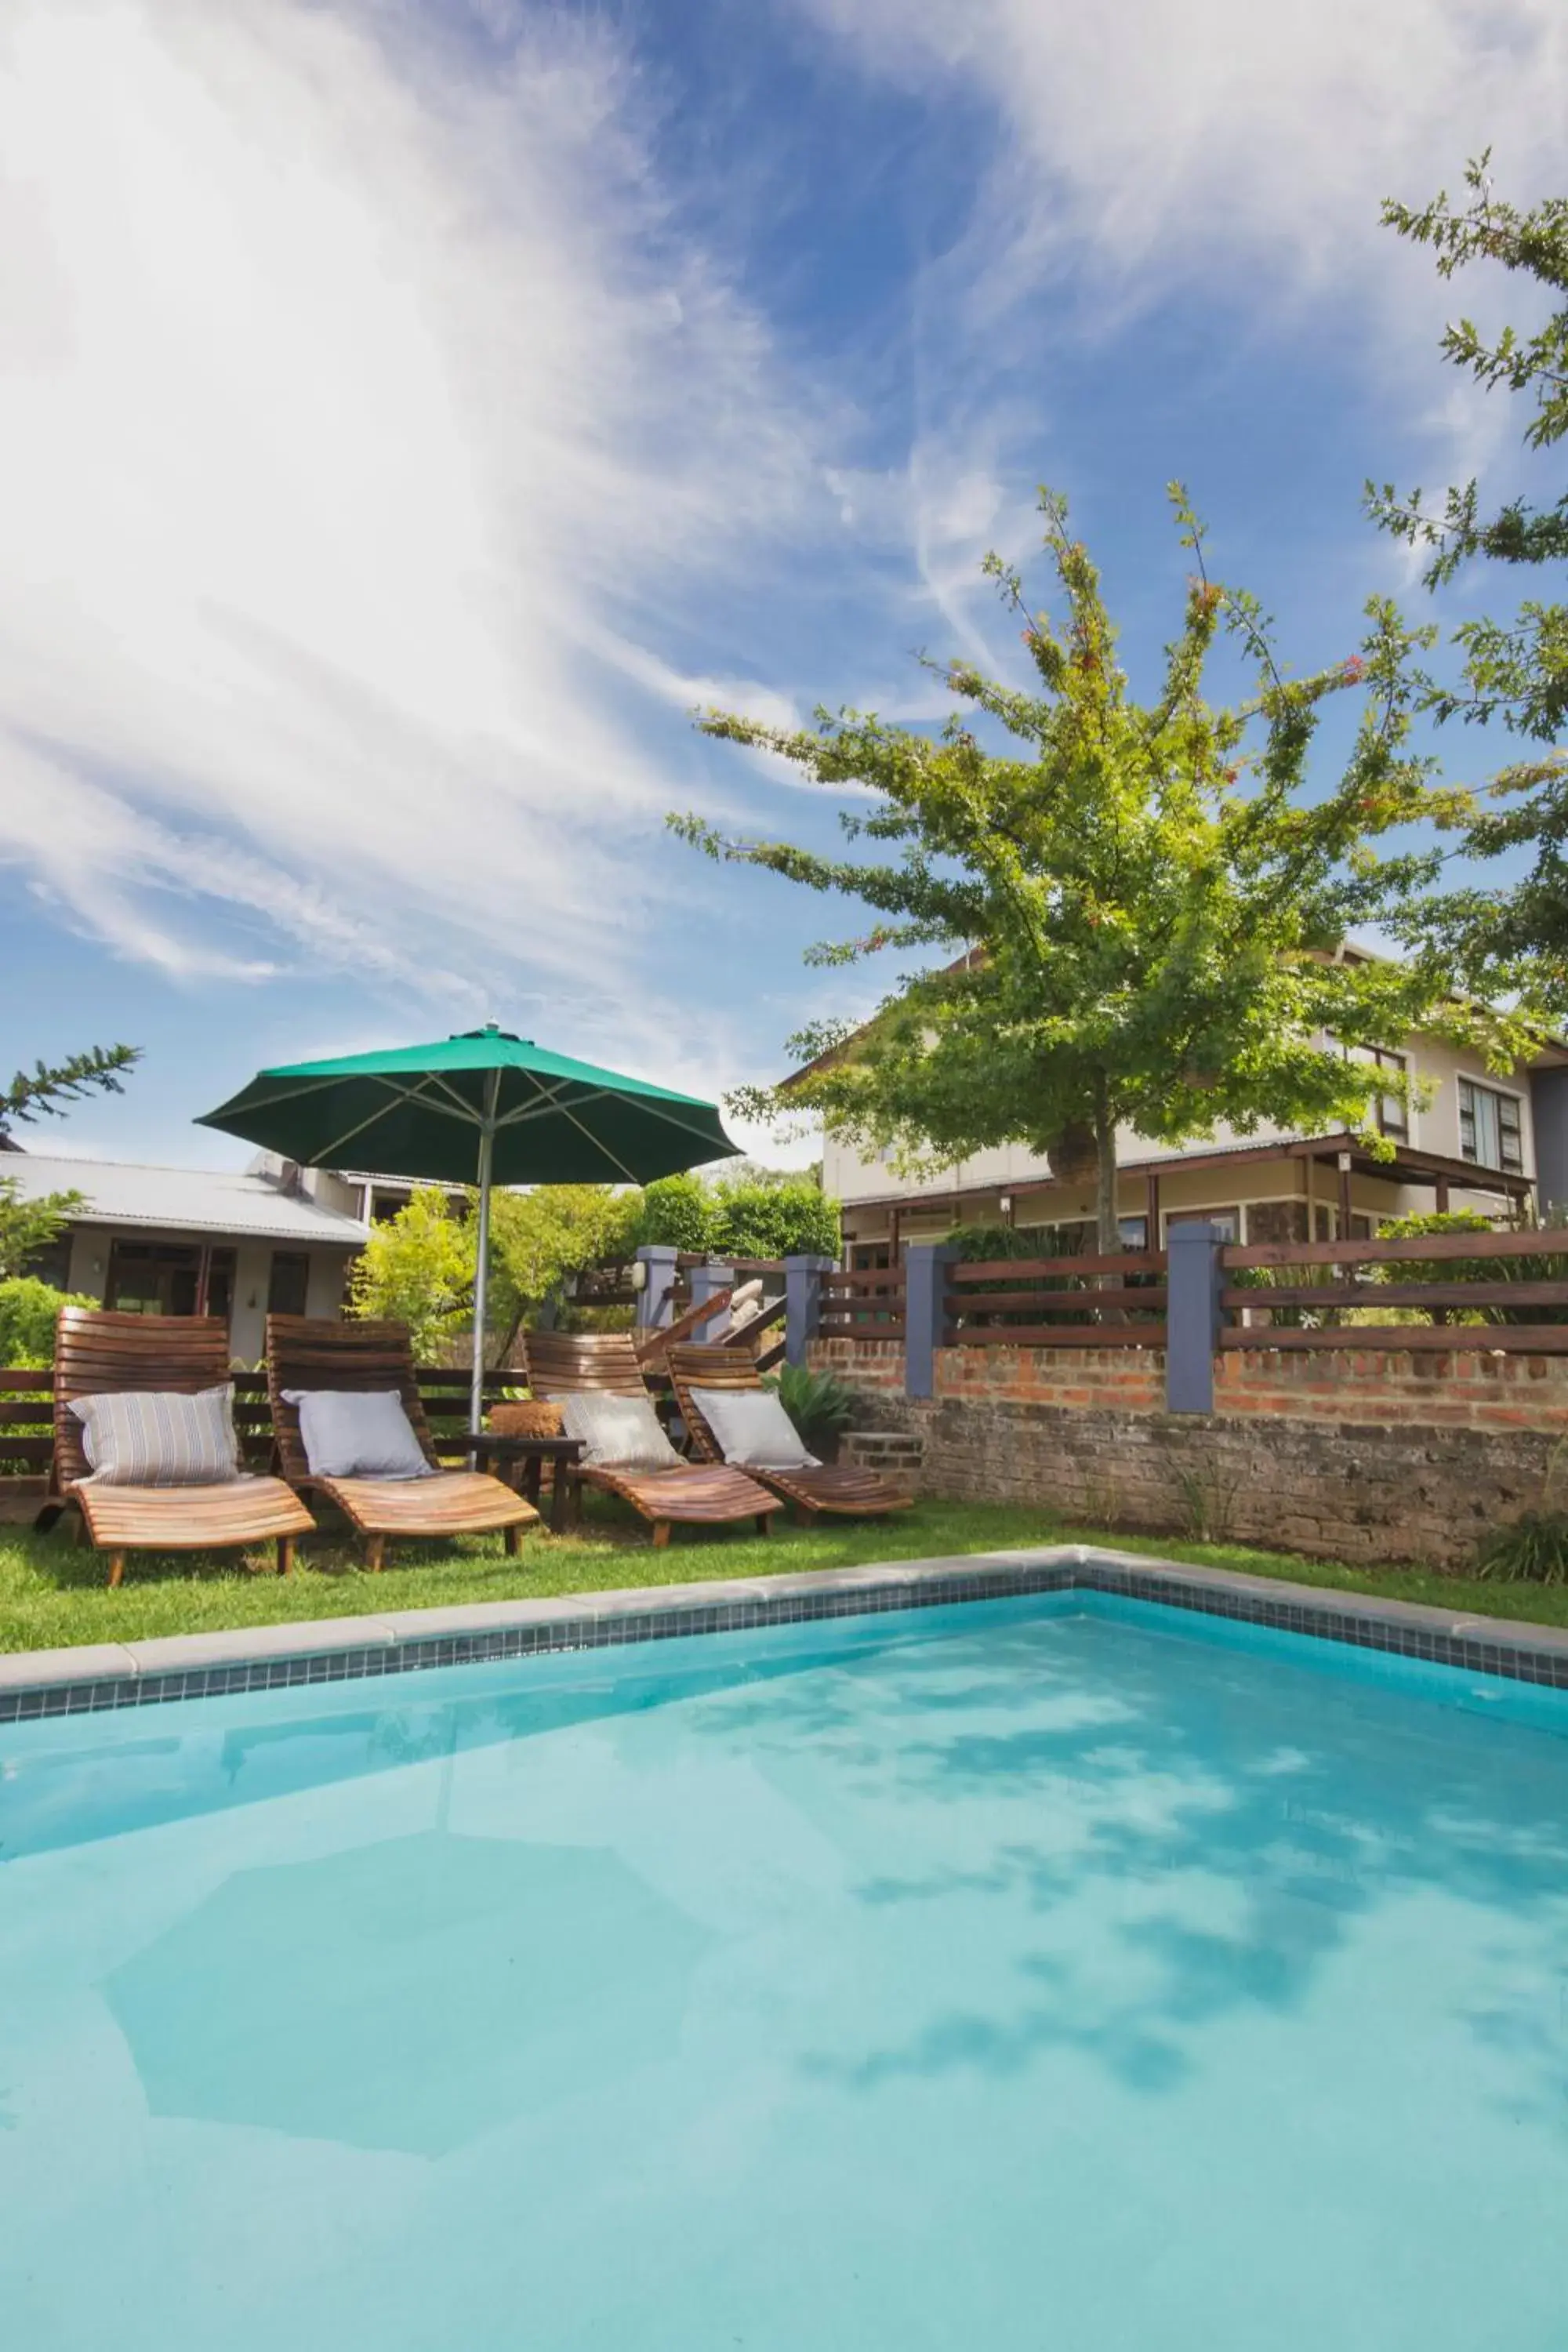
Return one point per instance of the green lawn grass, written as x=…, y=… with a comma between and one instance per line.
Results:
x=52, y=1592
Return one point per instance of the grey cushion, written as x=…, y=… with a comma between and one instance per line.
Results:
x=617, y=1432
x=358, y=1433
x=753, y=1428
x=144, y=1437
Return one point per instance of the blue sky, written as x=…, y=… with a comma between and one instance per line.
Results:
x=408, y=412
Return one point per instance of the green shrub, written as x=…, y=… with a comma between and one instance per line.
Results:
x=1530, y=1549
x=819, y=1405
x=1528, y=1266
x=28, y=1309
x=977, y=1244
x=677, y=1213
x=750, y=1215
x=772, y=1216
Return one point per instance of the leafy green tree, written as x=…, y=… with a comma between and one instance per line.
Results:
x=40, y=1092
x=1513, y=937
x=417, y=1268
x=764, y=1215
x=28, y=1227
x=1137, y=908
x=540, y=1237
x=677, y=1213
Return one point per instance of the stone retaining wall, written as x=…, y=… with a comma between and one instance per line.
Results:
x=1355, y=1492
x=1360, y=1457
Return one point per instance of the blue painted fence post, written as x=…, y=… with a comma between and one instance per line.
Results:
x=803, y=1302
x=655, y=1299
x=926, y=1312
x=1192, y=1316
x=705, y=1281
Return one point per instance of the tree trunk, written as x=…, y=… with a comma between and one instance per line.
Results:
x=1108, y=1223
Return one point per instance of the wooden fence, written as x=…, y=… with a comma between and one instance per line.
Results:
x=866, y=1305
x=1341, y=1292
x=1116, y=1300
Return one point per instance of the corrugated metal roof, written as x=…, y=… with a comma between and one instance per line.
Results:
x=183, y=1199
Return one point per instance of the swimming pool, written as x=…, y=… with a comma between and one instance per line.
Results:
x=1049, y=1972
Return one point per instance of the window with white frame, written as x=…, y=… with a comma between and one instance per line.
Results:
x=1392, y=1112
x=1491, y=1132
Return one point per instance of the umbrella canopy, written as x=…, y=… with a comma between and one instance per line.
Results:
x=478, y=1108
x=423, y=1111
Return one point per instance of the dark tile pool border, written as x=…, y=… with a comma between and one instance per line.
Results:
x=284, y=1657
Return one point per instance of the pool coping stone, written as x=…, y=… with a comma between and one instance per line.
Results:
x=92, y=1677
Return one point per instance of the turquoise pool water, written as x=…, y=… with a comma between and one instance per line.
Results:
x=1049, y=1973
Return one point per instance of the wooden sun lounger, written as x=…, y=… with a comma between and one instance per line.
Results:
x=305, y=1353
x=99, y=1354
x=833, y=1486
x=706, y=1494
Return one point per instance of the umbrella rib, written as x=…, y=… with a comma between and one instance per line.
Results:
x=399, y=1095
x=549, y=1099
x=465, y=1109
x=552, y=1101
x=685, y=1124
x=292, y=1093
x=583, y=1128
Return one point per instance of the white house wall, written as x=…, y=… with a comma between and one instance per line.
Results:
x=89, y=1274
x=1433, y=1128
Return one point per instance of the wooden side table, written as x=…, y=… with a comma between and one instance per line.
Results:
x=527, y=1457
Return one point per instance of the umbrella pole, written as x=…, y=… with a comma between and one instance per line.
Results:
x=482, y=1260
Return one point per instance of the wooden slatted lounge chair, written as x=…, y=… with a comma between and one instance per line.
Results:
x=707, y=1494
x=101, y=1354
x=305, y=1353
x=838, y=1487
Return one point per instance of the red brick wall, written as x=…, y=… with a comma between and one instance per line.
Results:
x=1468, y=1388
x=1128, y=1379
x=866, y=1364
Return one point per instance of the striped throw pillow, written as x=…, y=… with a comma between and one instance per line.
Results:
x=144, y=1438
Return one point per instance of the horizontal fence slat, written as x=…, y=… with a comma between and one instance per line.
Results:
x=1437, y=1247
x=26, y=1449
x=1005, y=1269
x=863, y=1278
x=1416, y=1338
x=1374, y=1295
x=1151, y=1297
x=1083, y=1335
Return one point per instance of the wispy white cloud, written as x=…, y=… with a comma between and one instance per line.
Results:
x=351, y=398
x=1224, y=155
x=1178, y=140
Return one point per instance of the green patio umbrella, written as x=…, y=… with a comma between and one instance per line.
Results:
x=482, y=1108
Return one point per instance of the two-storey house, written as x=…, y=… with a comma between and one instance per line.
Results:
x=1475, y=1140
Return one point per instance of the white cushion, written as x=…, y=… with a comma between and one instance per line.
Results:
x=752, y=1427
x=143, y=1437
x=358, y=1433
x=617, y=1432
